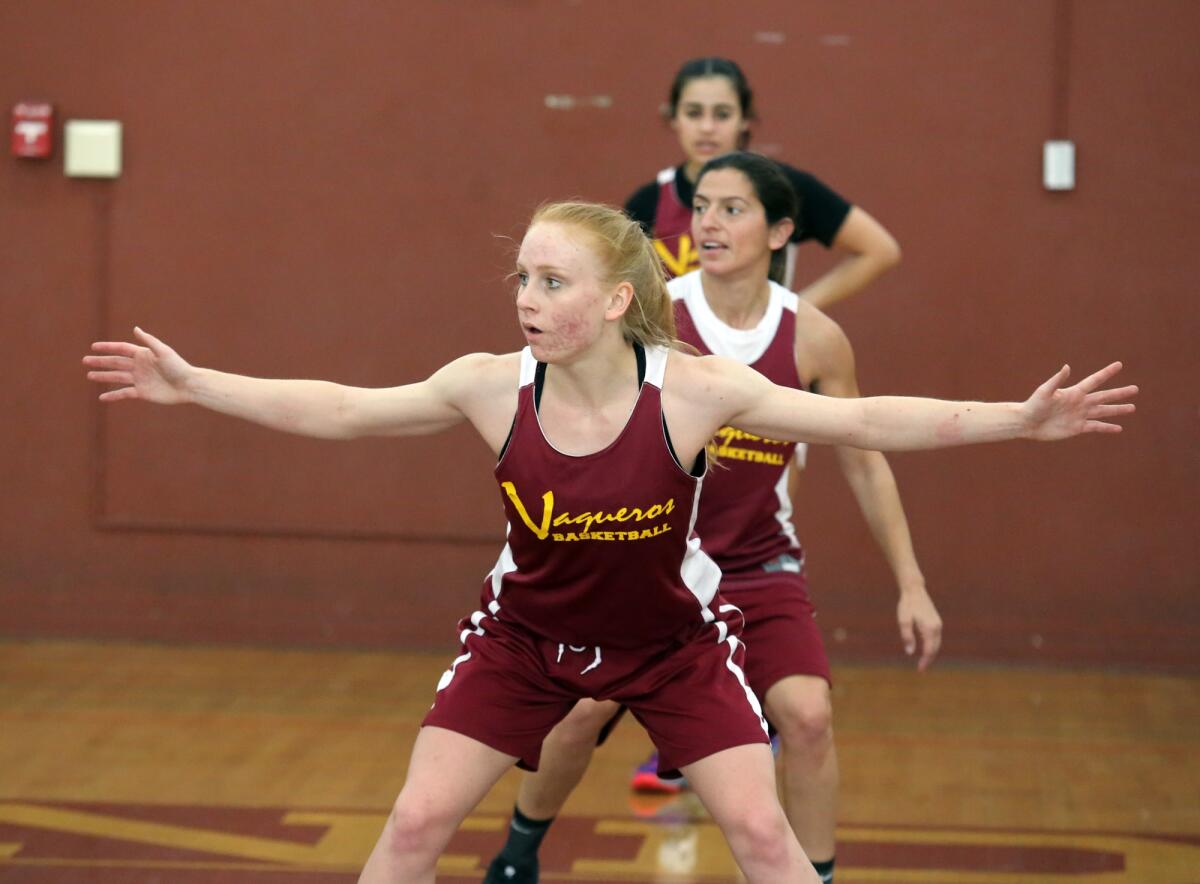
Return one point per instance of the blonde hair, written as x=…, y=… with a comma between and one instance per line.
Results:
x=626, y=255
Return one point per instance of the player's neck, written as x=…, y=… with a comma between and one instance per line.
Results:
x=605, y=371
x=738, y=300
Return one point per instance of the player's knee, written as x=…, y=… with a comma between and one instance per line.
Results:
x=413, y=829
x=763, y=833
x=806, y=721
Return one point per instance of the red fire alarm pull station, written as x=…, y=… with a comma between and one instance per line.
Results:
x=32, y=125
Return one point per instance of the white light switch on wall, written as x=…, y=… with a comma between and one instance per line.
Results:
x=92, y=148
x=1058, y=165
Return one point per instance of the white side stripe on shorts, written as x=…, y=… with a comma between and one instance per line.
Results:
x=448, y=675
x=741, y=677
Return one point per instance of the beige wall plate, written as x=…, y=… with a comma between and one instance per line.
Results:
x=92, y=148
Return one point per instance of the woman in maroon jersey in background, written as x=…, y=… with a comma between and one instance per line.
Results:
x=600, y=460
x=743, y=210
x=711, y=107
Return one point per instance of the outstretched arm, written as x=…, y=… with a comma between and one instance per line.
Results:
x=738, y=396
x=152, y=371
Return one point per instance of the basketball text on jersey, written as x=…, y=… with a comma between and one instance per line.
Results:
x=583, y=522
x=724, y=446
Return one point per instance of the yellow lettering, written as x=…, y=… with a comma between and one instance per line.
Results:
x=729, y=435
x=543, y=531
x=689, y=253
x=587, y=520
x=679, y=264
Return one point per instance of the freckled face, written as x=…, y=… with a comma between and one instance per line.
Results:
x=560, y=294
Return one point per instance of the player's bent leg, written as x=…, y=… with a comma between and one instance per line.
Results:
x=448, y=774
x=737, y=786
x=566, y=753
x=799, y=707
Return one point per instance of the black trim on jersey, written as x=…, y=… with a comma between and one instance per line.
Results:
x=697, y=470
x=507, y=439
x=823, y=210
x=539, y=380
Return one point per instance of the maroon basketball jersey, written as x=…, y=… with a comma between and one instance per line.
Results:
x=745, y=511
x=673, y=228
x=601, y=549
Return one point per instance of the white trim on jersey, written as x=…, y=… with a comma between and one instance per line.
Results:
x=504, y=565
x=528, y=368
x=699, y=573
x=666, y=176
x=746, y=345
x=656, y=365
x=784, y=513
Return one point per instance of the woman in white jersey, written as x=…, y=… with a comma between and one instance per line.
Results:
x=594, y=310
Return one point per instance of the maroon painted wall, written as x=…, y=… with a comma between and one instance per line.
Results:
x=324, y=189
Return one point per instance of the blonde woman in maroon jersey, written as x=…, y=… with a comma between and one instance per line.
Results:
x=600, y=433
x=742, y=219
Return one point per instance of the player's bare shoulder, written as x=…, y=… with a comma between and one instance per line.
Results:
x=705, y=382
x=483, y=388
x=479, y=378
x=822, y=348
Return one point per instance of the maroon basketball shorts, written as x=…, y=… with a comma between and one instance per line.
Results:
x=508, y=688
x=781, y=632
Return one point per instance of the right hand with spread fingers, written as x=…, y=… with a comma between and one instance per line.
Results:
x=149, y=370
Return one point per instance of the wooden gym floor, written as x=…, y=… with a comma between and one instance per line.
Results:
x=132, y=764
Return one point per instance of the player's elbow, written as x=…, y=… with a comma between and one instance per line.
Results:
x=887, y=252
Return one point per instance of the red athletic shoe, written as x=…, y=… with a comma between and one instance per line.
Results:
x=646, y=779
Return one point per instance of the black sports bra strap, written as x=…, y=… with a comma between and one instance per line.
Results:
x=539, y=380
